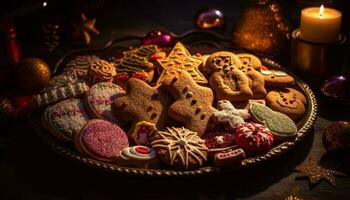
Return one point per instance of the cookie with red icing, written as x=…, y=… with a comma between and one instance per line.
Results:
x=253, y=137
x=138, y=156
x=229, y=157
x=219, y=141
x=65, y=119
x=101, y=140
x=100, y=98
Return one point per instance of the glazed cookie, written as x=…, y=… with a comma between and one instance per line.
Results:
x=219, y=141
x=136, y=64
x=142, y=103
x=101, y=140
x=256, y=79
x=229, y=157
x=276, y=78
x=193, y=103
x=101, y=71
x=226, y=80
x=229, y=116
x=180, y=59
x=73, y=90
x=100, y=98
x=253, y=137
x=281, y=126
x=138, y=156
x=180, y=148
x=65, y=119
x=143, y=132
x=287, y=101
x=249, y=60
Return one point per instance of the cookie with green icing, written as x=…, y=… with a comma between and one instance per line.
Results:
x=281, y=126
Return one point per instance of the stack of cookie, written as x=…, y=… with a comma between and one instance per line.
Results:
x=148, y=109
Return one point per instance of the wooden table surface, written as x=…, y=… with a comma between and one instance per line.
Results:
x=30, y=170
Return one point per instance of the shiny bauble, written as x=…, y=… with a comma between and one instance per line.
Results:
x=210, y=19
x=159, y=38
x=336, y=87
x=32, y=75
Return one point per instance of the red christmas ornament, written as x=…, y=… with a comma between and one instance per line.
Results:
x=159, y=38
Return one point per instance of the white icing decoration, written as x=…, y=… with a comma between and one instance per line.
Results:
x=190, y=94
x=229, y=115
x=219, y=139
x=280, y=73
x=131, y=153
x=181, y=143
x=266, y=72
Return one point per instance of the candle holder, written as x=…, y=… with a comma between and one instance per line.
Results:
x=317, y=60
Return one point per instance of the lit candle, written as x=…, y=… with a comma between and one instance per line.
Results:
x=320, y=25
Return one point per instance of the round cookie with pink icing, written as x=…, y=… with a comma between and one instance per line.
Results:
x=101, y=140
x=100, y=98
x=138, y=156
x=65, y=119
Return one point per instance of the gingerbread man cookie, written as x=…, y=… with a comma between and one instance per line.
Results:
x=229, y=115
x=287, y=101
x=142, y=103
x=228, y=82
x=180, y=59
x=276, y=78
x=256, y=80
x=193, y=103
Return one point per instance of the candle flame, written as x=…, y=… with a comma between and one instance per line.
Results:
x=321, y=10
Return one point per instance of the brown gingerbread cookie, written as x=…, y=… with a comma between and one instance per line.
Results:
x=142, y=103
x=193, y=103
x=256, y=80
x=249, y=60
x=227, y=81
x=180, y=59
x=287, y=101
x=276, y=78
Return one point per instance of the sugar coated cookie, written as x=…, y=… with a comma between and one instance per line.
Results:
x=65, y=119
x=253, y=137
x=281, y=126
x=218, y=141
x=180, y=148
x=287, y=101
x=101, y=140
x=100, y=98
x=138, y=156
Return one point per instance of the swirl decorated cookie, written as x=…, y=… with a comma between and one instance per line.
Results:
x=100, y=98
x=138, y=156
x=65, y=119
x=180, y=148
x=253, y=137
x=101, y=71
x=101, y=140
x=287, y=101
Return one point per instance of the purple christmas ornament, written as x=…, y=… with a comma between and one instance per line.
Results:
x=210, y=19
x=159, y=38
x=336, y=87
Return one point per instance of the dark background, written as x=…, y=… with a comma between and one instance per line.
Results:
x=30, y=170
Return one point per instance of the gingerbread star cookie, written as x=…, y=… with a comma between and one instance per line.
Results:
x=227, y=81
x=193, y=103
x=142, y=103
x=180, y=59
x=229, y=115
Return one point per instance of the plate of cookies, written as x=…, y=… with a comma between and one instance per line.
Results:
x=197, y=107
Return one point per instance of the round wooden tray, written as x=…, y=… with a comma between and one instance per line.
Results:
x=196, y=41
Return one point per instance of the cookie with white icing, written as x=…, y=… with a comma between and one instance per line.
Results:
x=138, y=156
x=180, y=148
x=100, y=98
x=65, y=119
x=72, y=90
x=229, y=116
x=276, y=78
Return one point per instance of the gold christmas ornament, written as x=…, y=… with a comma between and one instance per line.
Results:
x=83, y=28
x=312, y=170
x=32, y=75
x=262, y=28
